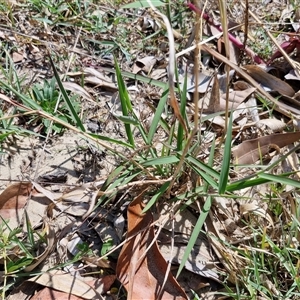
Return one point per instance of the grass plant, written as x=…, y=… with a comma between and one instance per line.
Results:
x=270, y=257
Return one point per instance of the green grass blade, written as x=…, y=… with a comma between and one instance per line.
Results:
x=26, y=101
x=136, y=77
x=208, y=179
x=180, y=132
x=143, y=3
x=202, y=166
x=280, y=179
x=29, y=229
x=210, y=162
x=112, y=176
x=166, y=160
x=249, y=182
x=125, y=102
x=127, y=120
x=158, y=194
x=195, y=233
x=120, y=180
x=13, y=237
x=241, y=184
x=157, y=116
x=66, y=98
x=108, y=139
x=226, y=161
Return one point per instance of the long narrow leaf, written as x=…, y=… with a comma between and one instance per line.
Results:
x=26, y=101
x=263, y=178
x=143, y=3
x=206, y=168
x=239, y=185
x=108, y=139
x=66, y=98
x=157, y=116
x=161, y=161
x=180, y=132
x=207, y=178
x=226, y=160
x=125, y=102
x=280, y=179
x=29, y=229
x=155, y=198
x=195, y=233
x=134, y=76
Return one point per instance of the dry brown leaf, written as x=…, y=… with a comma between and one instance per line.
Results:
x=10, y=197
x=24, y=291
x=269, y=80
x=294, y=101
x=141, y=270
x=250, y=151
x=274, y=125
x=103, y=284
x=200, y=260
x=51, y=294
x=174, y=104
x=12, y=201
x=283, y=108
x=100, y=79
x=253, y=208
x=146, y=64
x=214, y=100
x=50, y=242
x=77, y=89
x=66, y=283
x=17, y=57
x=239, y=96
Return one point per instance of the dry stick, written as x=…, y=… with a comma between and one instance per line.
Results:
x=246, y=24
x=191, y=48
x=227, y=51
x=197, y=58
x=278, y=106
x=19, y=115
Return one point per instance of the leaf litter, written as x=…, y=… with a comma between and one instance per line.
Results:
x=67, y=210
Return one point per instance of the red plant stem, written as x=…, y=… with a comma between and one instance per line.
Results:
x=234, y=40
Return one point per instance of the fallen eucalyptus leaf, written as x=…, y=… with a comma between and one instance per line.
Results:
x=269, y=80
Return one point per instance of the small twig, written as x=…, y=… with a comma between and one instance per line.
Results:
x=246, y=18
x=223, y=11
x=197, y=59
